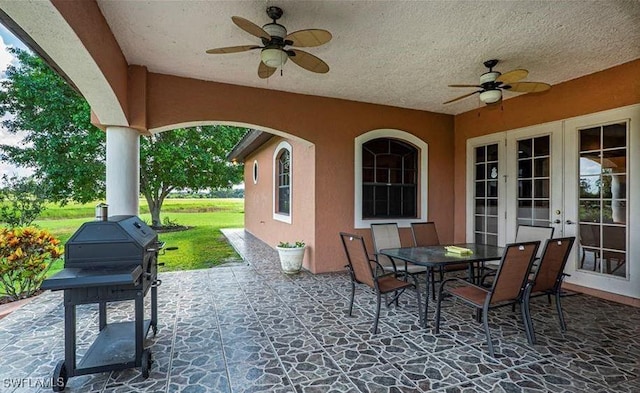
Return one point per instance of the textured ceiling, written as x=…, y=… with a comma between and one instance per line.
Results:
x=400, y=53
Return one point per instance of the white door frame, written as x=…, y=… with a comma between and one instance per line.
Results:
x=629, y=286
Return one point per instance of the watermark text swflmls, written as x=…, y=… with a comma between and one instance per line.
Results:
x=31, y=382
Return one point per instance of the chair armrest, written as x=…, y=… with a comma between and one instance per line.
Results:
x=378, y=268
x=393, y=263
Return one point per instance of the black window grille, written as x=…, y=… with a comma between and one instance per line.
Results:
x=389, y=179
x=284, y=182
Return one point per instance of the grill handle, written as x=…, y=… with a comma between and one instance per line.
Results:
x=160, y=246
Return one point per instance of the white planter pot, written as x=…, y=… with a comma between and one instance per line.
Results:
x=291, y=259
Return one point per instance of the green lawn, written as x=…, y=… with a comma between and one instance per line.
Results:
x=200, y=247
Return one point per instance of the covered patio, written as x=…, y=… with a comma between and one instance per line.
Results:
x=246, y=327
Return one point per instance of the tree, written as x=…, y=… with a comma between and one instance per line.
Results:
x=65, y=150
x=191, y=158
x=22, y=200
x=68, y=153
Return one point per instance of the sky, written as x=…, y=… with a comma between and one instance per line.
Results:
x=7, y=39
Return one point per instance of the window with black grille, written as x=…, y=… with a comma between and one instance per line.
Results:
x=389, y=179
x=284, y=182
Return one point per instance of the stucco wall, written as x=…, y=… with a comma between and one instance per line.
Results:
x=331, y=125
x=616, y=87
x=259, y=197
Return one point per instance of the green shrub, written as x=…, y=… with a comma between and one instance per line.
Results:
x=22, y=200
x=26, y=254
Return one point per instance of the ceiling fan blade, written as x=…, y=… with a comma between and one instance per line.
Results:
x=250, y=27
x=264, y=71
x=461, y=97
x=527, y=87
x=308, y=61
x=512, y=76
x=476, y=86
x=309, y=37
x=232, y=49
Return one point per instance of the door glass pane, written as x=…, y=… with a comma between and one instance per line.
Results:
x=541, y=146
x=524, y=168
x=614, y=135
x=590, y=139
x=589, y=211
x=590, y=164
x=486, y=194
x=534, y=174
x=525, y=149
x=480, y=171
x=541, y=167
x=492, y=152
x=603, y=199
x=614, y=161
x=590, y=186
x=541, y=188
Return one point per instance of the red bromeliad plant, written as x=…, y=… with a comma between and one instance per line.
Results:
x=26, y=254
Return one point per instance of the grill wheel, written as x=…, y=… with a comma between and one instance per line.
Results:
x=147, y=360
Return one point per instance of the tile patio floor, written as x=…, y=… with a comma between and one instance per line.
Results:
x=248, y=328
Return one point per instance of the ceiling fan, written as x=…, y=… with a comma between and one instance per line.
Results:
x=274, y=38
x=493, y=82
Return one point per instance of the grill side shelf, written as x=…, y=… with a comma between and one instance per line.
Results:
x=70, y=278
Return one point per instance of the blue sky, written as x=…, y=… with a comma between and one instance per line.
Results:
x=8, y=40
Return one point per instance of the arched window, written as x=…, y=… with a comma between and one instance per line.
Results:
x=282, y=182
x=390, y=178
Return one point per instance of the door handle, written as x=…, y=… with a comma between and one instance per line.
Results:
x=569, y=222
x=557, y=221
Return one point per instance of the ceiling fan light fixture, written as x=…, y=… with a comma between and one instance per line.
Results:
x=489, y=77
x=274, y=57
x=275, y=30
x=491, y=96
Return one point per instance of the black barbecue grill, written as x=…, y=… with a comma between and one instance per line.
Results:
x=108, y=261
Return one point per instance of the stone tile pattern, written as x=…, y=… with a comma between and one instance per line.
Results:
x=247, y=327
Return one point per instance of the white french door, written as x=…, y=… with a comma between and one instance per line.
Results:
x=581, y=176
x=602, y=200
x=534, y=178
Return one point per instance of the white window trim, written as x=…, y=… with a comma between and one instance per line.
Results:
x=422, y=146
x=254, y=172
x=277, y=216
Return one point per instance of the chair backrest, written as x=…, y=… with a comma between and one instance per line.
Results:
x=385, y=236
x=554, y=258
x=358, y=258
x=424, y=234
x=530, y=233
x=513, y=271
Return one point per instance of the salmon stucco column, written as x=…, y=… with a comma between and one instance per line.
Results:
x=123, y=170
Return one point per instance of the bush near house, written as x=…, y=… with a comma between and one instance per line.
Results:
x=26, y=254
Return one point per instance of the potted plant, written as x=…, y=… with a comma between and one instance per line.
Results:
x=291, y=256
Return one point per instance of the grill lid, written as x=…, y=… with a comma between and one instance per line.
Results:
x=116, y=229
x=118, y=241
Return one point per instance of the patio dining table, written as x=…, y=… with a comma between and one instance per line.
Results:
x=433, y=257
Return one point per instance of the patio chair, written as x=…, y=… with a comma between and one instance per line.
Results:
x=547, y=280
x=388, y=236
x=364, y=270
x=509, y=287
x=525, y=233
x=425, y=234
